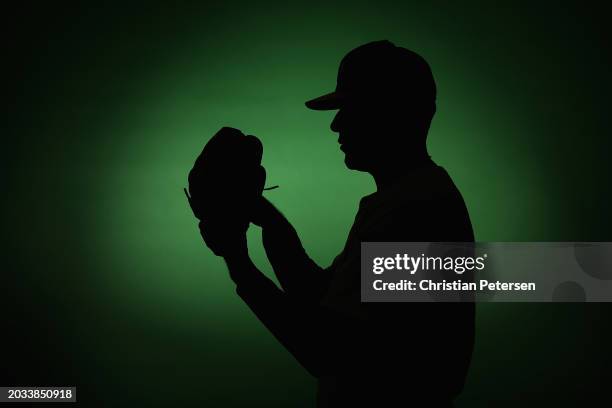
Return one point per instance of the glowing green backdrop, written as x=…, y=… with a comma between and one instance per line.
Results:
x=110, y=282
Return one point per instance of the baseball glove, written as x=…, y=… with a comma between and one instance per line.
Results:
x=227, y=177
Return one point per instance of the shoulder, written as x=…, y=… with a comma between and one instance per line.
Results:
x=425, y=208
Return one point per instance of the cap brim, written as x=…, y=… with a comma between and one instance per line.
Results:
x=330, y=101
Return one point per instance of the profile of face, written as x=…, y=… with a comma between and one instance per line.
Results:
x=376, y=137
x=367, y=136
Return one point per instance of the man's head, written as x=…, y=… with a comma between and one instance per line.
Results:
x=386, y=98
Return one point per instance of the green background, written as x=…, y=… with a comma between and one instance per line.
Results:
x=106, y=280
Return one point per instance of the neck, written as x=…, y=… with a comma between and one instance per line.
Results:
x=395, y=170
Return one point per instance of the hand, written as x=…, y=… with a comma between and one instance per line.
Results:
x=262, y=212
x=225, y=238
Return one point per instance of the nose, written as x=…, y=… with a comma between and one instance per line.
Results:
x=335, y=124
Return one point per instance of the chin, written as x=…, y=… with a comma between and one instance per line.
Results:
x=352, y=163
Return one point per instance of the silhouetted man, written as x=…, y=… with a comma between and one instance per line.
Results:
x=365, y=354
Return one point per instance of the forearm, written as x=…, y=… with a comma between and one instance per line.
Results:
x=298, y=274
x=298, y=326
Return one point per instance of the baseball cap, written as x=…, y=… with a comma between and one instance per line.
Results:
x=378, y=73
